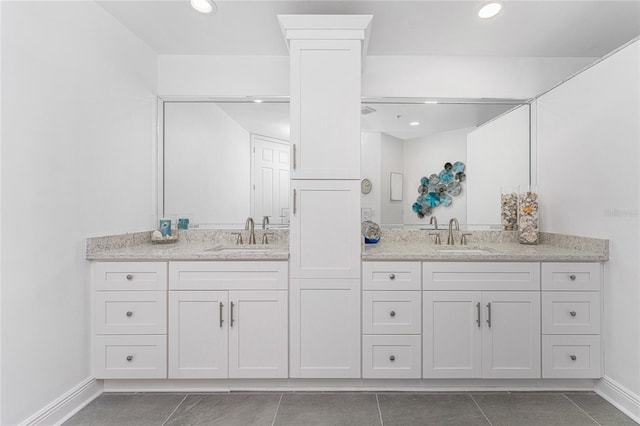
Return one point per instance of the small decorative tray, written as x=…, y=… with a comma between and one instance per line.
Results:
x=165, y=240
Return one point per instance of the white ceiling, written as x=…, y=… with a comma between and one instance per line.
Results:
x=546, y=28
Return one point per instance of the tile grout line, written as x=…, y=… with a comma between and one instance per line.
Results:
x=580, y=408
x=175, y=409
x=480, y=408
x=277, y=409
x=379, y=410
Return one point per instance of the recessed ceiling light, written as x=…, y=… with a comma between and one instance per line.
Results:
x=204, y=6
x=490, y=10
x=414, y=123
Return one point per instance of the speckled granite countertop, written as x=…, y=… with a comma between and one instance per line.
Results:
x=395, y=245
x=191, y=245
x=485, y=246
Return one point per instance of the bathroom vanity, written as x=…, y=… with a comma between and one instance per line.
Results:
x=491, y=310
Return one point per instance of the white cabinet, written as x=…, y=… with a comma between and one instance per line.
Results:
x=476, y=329
x=226, y=327
x=571, y=312
x=511, y=335
x=325, y=328
x=325, y=234
x=129, y=318
x=325, y=109
x=391, y=320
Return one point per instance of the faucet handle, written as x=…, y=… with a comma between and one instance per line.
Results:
x=437, y=235
x=265, y=240
x=463, y=238
x=238, y=237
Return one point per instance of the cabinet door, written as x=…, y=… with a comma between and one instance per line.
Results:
x=325, y=109
x=452, y=334
x=325, y=330
x=198, y=334
x=325, y=229
x=258, y=334
x=511, y=334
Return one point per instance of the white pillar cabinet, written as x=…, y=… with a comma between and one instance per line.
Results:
x=326, y=64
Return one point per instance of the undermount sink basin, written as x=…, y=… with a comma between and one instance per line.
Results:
x=462, y=250
x=240, y=248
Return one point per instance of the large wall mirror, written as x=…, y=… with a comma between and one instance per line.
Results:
x=226, y=159
x=414, y=138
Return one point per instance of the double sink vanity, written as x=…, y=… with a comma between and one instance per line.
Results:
x=208, y=308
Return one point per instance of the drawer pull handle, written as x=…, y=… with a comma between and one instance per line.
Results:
x=129, y=313
x=573, y=357
x=129, y=357
x=489, y=314
x=572, y=277
x=221, y=320
x=392, y=358
x=129, y=277
x=478, y=308
x=392, y=314
x=572, y=313
x=392, y=276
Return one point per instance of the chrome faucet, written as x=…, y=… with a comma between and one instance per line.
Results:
x=265, y=222
x=248, y=225
x=450, y=238
x=434, y=221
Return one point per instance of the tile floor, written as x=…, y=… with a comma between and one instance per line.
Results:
x=358, y=409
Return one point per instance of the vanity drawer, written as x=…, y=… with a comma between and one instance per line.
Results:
x=571, y=312
x=130, y=312
x=228, y=275
x=571, y=357
x=391, y=357
x=571, y=276
x=508, y=276
x=391, y=312
x=130, y=276
x=391, y=276
x=130, y=357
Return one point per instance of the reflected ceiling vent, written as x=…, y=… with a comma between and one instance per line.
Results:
x=364, y=110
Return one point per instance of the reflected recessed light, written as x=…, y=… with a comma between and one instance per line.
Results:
x=414, y=123
x=204, y=6
x=430, y=102
x=490, y=10
x=257, y=101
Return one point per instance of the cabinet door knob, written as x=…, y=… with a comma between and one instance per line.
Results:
x=573, y=357
x=129, y=277
x=572, y=277
x=392, y=313
x=392, y=276
x=392, y=358
x=572, y=313
x=129, y=313
x=129, y=357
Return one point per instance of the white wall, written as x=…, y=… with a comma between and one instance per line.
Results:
x=392, y=160
x=427, y=155
x=200, y=75
x=433, y=76
x=207, y=165
x=78, y=112
x=497, y=156
x=588, y=170
x=370, y=168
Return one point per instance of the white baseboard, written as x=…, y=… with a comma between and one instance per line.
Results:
x=622, y=398
x=69, y=403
